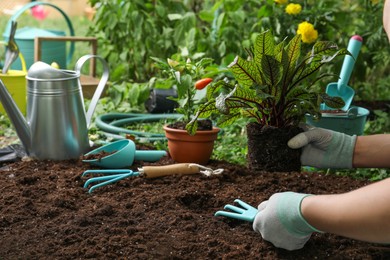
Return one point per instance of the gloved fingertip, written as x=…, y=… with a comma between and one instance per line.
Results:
x=262, y=205
x=292, y=143
x=298, y=141
x=305, y=127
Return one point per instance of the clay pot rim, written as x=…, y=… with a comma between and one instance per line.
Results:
x=198, y=132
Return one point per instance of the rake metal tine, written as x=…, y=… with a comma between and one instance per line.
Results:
x=101, y=178
x=116, y=178
x=244, y=204
x=247, y=212
x=228, y=214
x=234, y=208
x=237, y=212
x=106, y=171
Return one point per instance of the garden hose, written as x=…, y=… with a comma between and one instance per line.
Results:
x=112, y=124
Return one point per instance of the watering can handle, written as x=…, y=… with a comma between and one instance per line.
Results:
x=101, y=85
x=32, y=4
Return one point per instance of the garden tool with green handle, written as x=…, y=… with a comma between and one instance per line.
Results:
x=279, y=219
x=12, y=52
x=25, y=38
x=341, y=88
x=122, y=154
x=114, y=175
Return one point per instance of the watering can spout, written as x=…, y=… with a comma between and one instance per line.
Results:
x=16, y=117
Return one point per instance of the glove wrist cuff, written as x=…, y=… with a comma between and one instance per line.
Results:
x=342, y=146
x=294, y=222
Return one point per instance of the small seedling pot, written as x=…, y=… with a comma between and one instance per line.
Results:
x=350, y=122
x=185, y=148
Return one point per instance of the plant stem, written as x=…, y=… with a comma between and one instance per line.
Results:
x=189, y=105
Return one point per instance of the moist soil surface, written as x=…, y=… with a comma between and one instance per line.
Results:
x=45, y=213
x=203, y=125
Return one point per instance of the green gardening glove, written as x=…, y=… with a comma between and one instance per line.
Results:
x=280, y=221
x=324, y=148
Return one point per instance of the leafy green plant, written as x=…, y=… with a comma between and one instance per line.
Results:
x=274, y=84
x=130, y=32
x=232, y=145
x=380, y=125
x=6, y=129
x=183, y=75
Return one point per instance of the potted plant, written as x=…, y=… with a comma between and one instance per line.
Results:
x=189, y=79
x=274, y=88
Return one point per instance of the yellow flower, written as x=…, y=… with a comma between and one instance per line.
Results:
x=309, y=34
x=293, y=9
x=281, y=2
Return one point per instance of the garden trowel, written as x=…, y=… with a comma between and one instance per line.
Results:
x=341, y=88
x=121, y=154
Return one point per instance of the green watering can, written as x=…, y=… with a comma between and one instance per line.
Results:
x=52, y=51
x=350, y=122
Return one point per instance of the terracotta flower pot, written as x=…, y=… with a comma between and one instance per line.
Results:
x=185, y=148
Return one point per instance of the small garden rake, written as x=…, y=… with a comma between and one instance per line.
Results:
x=245, y=212
x=113, y=175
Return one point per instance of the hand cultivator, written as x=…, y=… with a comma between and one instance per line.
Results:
x=246, y=212
x=114, y=175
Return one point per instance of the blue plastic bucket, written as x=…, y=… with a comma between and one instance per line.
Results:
x=52, y=51
x=351, y=122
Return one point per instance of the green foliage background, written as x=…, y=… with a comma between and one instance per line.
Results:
x=130, y=32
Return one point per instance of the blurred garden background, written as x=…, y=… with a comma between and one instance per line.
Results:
x=129, y=33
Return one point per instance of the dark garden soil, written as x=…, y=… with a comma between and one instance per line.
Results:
x=45, y=213
x=274, y=155
x=204, y=124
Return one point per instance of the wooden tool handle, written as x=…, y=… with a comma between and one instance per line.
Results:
x=159, y=171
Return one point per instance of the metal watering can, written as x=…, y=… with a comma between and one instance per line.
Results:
x=56, y=125
x=52, y=50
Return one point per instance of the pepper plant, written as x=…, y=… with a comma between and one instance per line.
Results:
x=187, y=77
x=274, y=86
